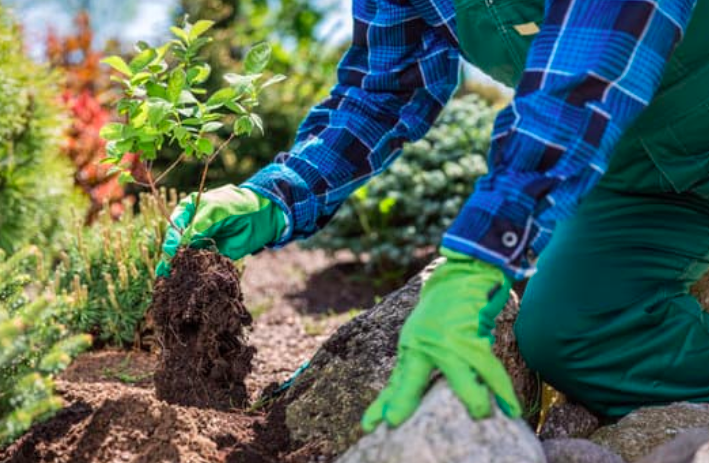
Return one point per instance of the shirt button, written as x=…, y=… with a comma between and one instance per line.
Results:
x=509, y=239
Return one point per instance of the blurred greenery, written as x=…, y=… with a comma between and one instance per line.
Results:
x=289, y=26
x=36, y=179
x=399, y=217
x=108, y=269
x=34, y=343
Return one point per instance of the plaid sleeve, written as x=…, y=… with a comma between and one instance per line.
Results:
x=590, y=72
x=399, y=72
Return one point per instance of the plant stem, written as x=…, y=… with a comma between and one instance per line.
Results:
x=172, y=166
x=202, y=181
x=159, y=199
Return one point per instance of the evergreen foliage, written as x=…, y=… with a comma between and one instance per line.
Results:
x=109, y=269
x=36, y=180
x=34, y=344
x=409, y=206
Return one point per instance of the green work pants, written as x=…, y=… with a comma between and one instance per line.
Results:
x=608, y=318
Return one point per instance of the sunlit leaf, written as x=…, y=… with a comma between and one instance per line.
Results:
x=243, y=126
x=142, y=59
x=274, y=80
x=199, y=28
x=175, y=85
x=257, y=58
x=221, y=96
x=112, y=131
x=117, y=63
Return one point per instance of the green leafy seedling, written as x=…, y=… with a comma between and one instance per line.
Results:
x=163, y=100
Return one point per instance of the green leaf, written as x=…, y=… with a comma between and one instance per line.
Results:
x=161, y=52
x=175, y=85
x=181, y=34
x=205, y=146
x=199, y=28
x=157, y=110
x=109, y=160
x=198, y=74
x=257, y=58
x=140, y=117
x=142, y=59
x=386, y=205
x=156, y=90
x=117, y=63
x=243, y=126
x=221, y=96
x=256, y=119
x=125, y=177
x=112, y=131
x=186, y=97
x=212, y=126
x=235, y=107
x=140, y=78
x=274, y=80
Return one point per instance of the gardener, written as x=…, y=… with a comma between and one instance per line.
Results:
x=599, y=167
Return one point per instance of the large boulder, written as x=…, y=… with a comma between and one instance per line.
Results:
x=645, y=429
x=326, y=402
x=441, y=432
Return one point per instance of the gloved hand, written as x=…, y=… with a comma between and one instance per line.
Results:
x=450, y=330
x=236, y=220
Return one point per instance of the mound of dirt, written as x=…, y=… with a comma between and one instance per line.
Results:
x=109, y=420
x=201, y=320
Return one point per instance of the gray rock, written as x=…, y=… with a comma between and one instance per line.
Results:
x=326, y=402
x=577, y=451
x=568, y=420
x=645, y=429
x=690, y=446
x=441, y=432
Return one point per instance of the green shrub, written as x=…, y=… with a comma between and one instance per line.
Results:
x=34, y=345
x=36, y=180
x=289, y=26
x=409, y=206
x=109, y=269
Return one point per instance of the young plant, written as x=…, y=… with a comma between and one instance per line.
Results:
x=165, y=101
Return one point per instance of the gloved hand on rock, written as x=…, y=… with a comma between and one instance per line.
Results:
x=236, y=221
x=450, y=330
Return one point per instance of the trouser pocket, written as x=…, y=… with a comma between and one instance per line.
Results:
x=680, y=150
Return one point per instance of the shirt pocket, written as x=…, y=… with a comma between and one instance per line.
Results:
x=521, y=22
x=680, y=150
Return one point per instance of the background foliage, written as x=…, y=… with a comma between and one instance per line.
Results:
x=109, y=268
x=36, y=187
x=87, y=93
x=289, y=26
x=408, y=207
x=34, y=344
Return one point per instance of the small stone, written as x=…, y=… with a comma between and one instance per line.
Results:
x=568, y=420
x=577, y=451
x=687, y=447
x=441, y=431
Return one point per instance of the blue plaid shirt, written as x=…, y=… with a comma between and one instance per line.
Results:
x=592, y=69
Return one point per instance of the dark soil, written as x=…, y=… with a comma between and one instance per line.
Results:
x=113, y=421
x=111, y=410
x=200, y=319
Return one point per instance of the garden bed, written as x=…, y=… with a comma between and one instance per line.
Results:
x=112, y=413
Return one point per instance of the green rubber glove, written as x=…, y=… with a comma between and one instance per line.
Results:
x=236, y=220
x=450, y=330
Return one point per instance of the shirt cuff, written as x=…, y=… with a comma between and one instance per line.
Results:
x=288, y=190
x=512, y=245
